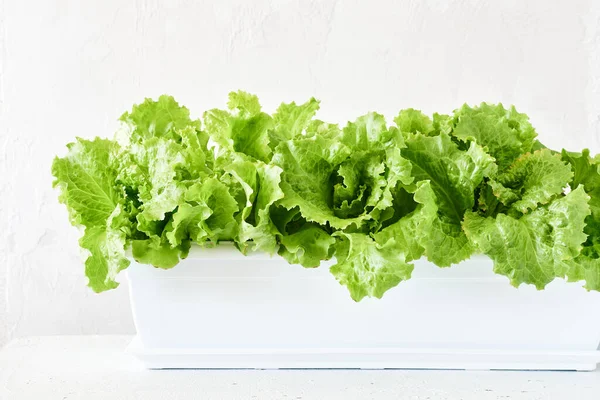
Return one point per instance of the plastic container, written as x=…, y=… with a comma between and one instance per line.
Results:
x=220, y=309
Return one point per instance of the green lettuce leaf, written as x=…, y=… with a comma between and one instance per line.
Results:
x=187, y=223
x=366, y=267
x=343, y=180
x=208, y=214
x=199, y=159
x=454, y=175
x=152, y=169
x=506, y=134
x=367, y=133
x=86, y=178
x=291, y=120
x=161, y=119
x=157, y=251
x=442, y=123
x=106, y=257
x=538, y=246
x=585, y=268
x=326, y=130
x=586, y=173
x=308, y=246
x=257, y=185
x=301, y=242
x=414, y=121
x=261, y=231
x=243, y=129
x=307, y=165
x=369, y=265
x=535, y=178
x=410, y=231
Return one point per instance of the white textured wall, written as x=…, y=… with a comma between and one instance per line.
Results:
x=70, y=68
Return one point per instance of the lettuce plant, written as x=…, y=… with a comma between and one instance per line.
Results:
x=373, y=196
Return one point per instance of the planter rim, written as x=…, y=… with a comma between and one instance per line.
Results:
x=227, y=251
x=200, y=264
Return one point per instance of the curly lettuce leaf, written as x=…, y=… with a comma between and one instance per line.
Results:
x=585, y=268
x=199, y=159
x=536, y=247
x=366, y=267
x=307, y=165
x=345, y=180
x=414, y=121
x=505, y=133
x=301, y=242
x=244, y=128
x=534, y=178
x=221, y=223
x=208, y=214
x=442, y=123
x=370, y=133
x=257, y=187
x=106, y=258
x=261, y=231
x=164, y=153
x=410, y=231
x=324, y=129
x=308, y=246
x=158, y=252
x=160, y=171
x=291, y=120
x=360, y=181
x=152, y=170
x=369, y=265
x=187, y=223
x=454, y=174
x=163, y=118
x=586, y=173
x=86, y=177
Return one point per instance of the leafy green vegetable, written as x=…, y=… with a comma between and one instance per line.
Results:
x=586, y=173
x=87, y=181
x=538, y=246
x=454, y=175
x=506, y=134
x=161, y=119
x=243, y=128
x=291, y=120
x=414, y=121
x=410, y=229
x=308, y=164
x=308, y=246
x=157, y=252
x=535, y=178
x=208, y=213
x=368, y=268
x=375, y=197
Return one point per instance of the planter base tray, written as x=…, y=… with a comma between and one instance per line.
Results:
x=363, y=358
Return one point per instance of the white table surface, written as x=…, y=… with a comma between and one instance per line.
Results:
x=96, y=367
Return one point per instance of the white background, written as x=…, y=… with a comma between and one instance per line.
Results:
x=70, y=68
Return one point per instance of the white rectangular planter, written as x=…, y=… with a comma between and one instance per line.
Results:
x=220, y=309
